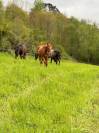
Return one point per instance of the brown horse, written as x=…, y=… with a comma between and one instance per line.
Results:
x=43, y=53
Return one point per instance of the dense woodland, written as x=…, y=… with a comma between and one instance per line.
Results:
x=74, y=38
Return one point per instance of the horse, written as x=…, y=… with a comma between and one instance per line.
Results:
x=42, y=53
x=20, y=50
x=55, y=55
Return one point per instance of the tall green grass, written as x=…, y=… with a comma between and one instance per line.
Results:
x=58, y=99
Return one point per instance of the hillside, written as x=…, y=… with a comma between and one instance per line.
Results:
x=62, y=99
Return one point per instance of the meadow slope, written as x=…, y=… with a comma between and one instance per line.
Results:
x=56, y=99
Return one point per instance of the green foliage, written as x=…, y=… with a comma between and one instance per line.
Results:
x=1, y=9
x=38, y=5
x=13, y=12
x=72, y=37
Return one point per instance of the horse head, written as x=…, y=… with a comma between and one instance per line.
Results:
x=48, y=47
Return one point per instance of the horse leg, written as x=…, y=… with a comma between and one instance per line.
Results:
x=16, y=56
x=46, y=61
x=24, y=56
x=55, y=61
x=20, y=53
x=51, y=60
x=40, y=59
x=59, y=61
x=21, y=56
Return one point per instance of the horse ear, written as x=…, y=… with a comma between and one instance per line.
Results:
x=47, y=44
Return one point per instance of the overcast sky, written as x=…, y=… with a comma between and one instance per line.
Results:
x=82, y=9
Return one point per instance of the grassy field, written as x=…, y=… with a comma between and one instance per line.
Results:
x=56, y=99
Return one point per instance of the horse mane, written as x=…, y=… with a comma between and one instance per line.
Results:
x=46, y=48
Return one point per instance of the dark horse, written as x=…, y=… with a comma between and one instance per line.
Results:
x=20, y=50
x=42, y=53
x=55, y=55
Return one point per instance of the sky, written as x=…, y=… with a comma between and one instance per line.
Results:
x=81, y=9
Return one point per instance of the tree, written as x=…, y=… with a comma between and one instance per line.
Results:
x=38, y=5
